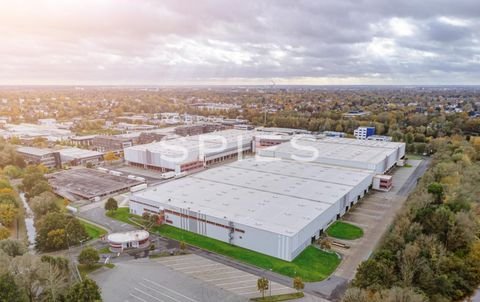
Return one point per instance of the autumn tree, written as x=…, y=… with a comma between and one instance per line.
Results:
x=262, y=285
x=88, y=256
x=298, y=283
x=4, y=233
x=85, y=291
x=8, y=213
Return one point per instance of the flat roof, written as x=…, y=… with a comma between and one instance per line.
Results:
x=35, y=151
x=78, y=153
x=265, y=196
x=213, y=140
x=130, y=236
x=366, y=143
x=330, y=148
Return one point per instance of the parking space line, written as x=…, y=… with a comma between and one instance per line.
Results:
x=137, y=297
x=161, y=293
x=171, y=290
x=209, y=271
x=226, y=283
x=217, y=279
x=147, y=294
x=199, y=266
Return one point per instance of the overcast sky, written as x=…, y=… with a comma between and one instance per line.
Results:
x=240, y=42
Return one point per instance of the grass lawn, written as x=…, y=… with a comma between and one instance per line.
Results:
x=276, y=298
x=93, y=231
x=311, y=265
x=343, y=230
x=121, y=214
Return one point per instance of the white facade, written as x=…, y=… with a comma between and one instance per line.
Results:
x=198, y=150
x=363, y=132
x=273, y=207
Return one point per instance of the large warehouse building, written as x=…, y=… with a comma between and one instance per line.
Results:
x=360, y=154
x=274, y=207
x=192, y=152
x=278, y=202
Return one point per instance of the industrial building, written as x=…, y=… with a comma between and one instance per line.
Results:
x=77, y=156
x=47, y=157
x=363, y=132
x=192, y=152
x=370, y=155
x=106, y=143
x=275, y=207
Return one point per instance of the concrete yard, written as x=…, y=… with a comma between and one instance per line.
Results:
x=87, y=184
x=220, y=275
x=146, y=280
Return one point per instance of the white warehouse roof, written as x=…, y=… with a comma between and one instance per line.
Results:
x=358, y=154
x=278, y=196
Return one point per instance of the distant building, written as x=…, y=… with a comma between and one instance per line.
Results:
x=106, y=143
x=363, y=132
x=355, y=113
x=76, y=156
x=198, y=129
x=379, y=138
x=47, y=122
x=47, y=157
x=333, y=134
x=83, y=141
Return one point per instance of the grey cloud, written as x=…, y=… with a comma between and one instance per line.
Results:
x=153, y=41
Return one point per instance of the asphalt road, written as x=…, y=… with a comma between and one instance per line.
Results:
x=411, y=182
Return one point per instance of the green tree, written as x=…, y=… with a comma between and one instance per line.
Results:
x=39, y=188
x=85, y=291
x=262, y=285
x=57, y=231
x=436, y=189
x=111, y=204
x=9, y=291
x=13, y=247
x=44, y=203
x=88, y=256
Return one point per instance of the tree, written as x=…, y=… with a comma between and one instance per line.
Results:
x=436, y=189
x=39, y=188
x=9, y=290
x=111, y=204
x=4, y=233
x=262, y=285
x=298, y=283
x=13, y=247
x=12, y=171
x=29, y=272
x=110, y=156
x=88, y=256
x=8, y=213
x=85, y=291
x=44, y=203
x=183, y=246
x=57, y=231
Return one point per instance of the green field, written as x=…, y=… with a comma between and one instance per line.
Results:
x=93, y=231
x=343, y=230
x=311, y=265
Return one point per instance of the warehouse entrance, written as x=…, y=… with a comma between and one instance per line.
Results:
x=313, y=240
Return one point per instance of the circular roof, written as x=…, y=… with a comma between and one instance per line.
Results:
x=128, y=236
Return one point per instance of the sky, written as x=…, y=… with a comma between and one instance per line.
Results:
x=228, y=42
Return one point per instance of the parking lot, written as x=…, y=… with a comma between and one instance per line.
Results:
x=373, y=214
x=219, y=275
x=146, y=280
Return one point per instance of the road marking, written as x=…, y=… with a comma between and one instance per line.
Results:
x=137, y=297
x=163, y=294
x=198, y=266
x=171, y=290
x=209, y=271
x=224, y=278
x=226, y=283
x=241, y=287
x=147, y=294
